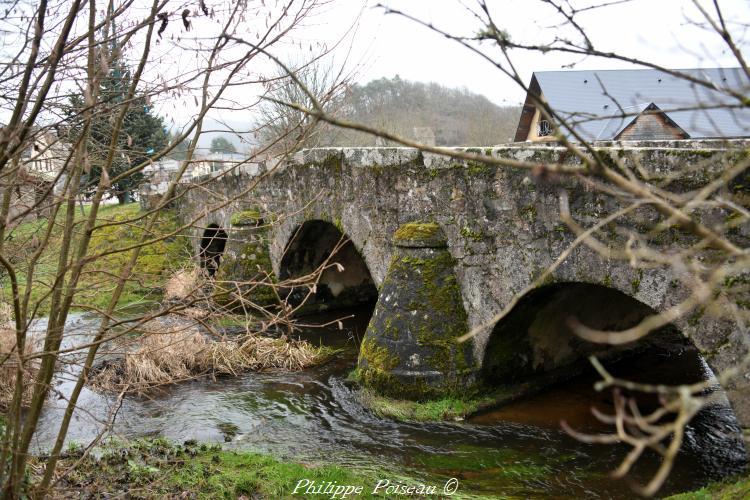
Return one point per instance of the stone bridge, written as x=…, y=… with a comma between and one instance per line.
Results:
x=444, y=245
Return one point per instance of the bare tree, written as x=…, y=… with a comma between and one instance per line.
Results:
x=284, y=126
x=51, y=262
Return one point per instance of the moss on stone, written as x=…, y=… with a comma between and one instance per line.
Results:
x=468, y=233
x=339, y=224
x=474, y=168
x=331, y=162
x=417, y=231
x=246, y=276
x=374, y=366
x=249, y=217
x=529, y=212
x=377, y=357
x=695, y=318
x=423, y=329
x=635, y=283
x=439, y=288
x=404, y=410
x=390, y=330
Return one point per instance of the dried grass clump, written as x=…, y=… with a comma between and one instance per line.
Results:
x=256, y=353
x=183, y=284
x=6, y=315
x=173, y=356
x=9, y=365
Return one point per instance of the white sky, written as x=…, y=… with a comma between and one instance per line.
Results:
x=655, y=30
x=384, y=45
x=662, y=31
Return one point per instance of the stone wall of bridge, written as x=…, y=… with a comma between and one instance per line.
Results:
x=501, y=225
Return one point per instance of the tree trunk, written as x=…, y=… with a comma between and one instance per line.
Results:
x=124, y=197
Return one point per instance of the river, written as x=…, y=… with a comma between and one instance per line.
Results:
x=314, y=416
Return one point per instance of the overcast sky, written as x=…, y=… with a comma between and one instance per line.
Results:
x=376, y=44
x=667, y=32
x=657, y=30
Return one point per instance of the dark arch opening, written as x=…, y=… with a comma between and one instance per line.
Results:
x=535, y=338
x=533, y=348
x=345, y=280
x=212, y=245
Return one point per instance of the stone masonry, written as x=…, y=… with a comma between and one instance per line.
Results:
x=501, y=226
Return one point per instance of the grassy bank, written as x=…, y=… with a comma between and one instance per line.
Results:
x=156, y=468
x=427, y=411
x=156, y=262
x=731, y=489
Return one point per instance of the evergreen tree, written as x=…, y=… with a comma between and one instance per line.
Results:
x=222, y=145
x=141, y=135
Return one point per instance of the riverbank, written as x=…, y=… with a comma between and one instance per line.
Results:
x=157, y=468
x=118, y=227
x=738, y=488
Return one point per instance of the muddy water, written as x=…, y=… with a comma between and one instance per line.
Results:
x=315, y=417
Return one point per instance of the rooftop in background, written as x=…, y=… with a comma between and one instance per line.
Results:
x=639, y=104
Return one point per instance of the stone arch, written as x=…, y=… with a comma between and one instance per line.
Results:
x=212, y=244
x=533, y=344
x=534, y=338
x=344, y=279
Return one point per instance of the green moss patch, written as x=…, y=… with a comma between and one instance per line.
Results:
x=428, y=233
x=156, y=468
x=450, y=408
x=729, y=489
x=116, y=229
x=428, y=411
x=249, y=217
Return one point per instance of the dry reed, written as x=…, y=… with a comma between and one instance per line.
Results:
x=177, y=354
x=9, y=362
x=183, y=284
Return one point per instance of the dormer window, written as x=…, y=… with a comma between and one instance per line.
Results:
x=543, y=128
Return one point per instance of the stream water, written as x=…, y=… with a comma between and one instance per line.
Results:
x=314, y=416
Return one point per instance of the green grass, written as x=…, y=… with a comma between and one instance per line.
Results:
x=736, y=489
x=155, y=468
x=425, y=411
x=156, y=262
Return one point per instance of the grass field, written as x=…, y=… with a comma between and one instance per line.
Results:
x=114, y=231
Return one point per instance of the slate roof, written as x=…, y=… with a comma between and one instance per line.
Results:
x=603, y=102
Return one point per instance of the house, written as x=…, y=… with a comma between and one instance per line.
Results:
x=45, y=156
x=159, y=174
x=40, y=175
x=216, y=162
x=636, y=104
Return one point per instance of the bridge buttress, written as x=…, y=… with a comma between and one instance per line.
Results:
x=245, y=279
x=410, y=349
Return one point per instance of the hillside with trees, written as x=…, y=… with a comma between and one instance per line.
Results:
x=457, y=116
x=426, y=112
